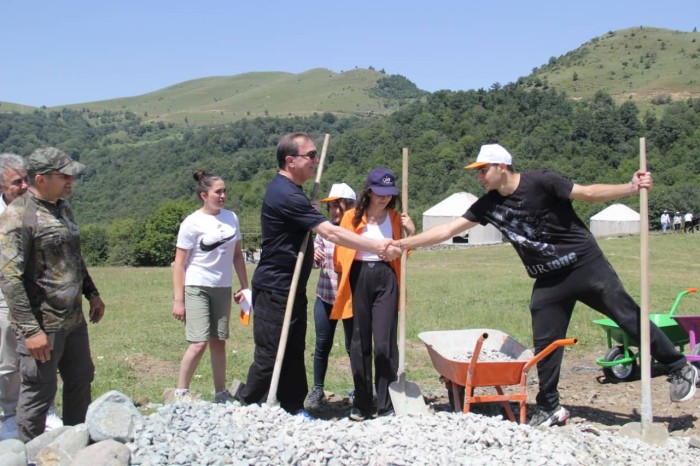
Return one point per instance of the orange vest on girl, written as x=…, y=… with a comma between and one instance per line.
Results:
x=343, y=258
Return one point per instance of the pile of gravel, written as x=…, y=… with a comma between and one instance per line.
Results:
x=211, y=434
x=486, y=355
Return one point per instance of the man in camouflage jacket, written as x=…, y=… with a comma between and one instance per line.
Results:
x=43, y=275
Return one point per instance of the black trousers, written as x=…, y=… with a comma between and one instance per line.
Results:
x=596, y=285
x=268, y=319
x=375, y=316
x=70, y=356
x=325, y=332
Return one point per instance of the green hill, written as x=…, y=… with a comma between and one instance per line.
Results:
x=650, y=66
x=223, y=99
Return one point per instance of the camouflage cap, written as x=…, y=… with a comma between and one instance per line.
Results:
x=49, y=159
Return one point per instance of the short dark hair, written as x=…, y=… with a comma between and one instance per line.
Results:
x=289, y=145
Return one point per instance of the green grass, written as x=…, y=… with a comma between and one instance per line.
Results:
x=138, y=345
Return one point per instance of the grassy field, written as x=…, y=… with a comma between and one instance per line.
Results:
x=138, y=345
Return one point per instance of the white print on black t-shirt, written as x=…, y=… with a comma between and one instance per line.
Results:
x=556, y=264
x=519, y=227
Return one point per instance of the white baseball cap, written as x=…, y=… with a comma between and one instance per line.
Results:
x=491, y=153
x=340, y=191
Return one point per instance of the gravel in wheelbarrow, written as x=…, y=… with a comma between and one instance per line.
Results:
x=472, y=358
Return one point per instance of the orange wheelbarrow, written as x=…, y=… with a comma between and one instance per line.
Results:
x=504, y=362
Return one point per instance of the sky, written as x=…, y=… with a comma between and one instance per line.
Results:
x=73, y=51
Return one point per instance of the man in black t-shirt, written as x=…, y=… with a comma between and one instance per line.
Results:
x=533, y=210
x=286, y=218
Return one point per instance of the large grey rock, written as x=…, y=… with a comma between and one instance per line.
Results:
x=11, y=446
x=13, y=459
x=13, y=453
x=113, y=416
x=104, y=453
x=37, y=444
x=64, y=448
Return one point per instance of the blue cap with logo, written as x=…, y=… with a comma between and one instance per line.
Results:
x=382, y=182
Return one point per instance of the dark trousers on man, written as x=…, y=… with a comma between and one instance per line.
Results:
x=267, y=328
x=375, y=316
x=70, y=356
x=596, y=285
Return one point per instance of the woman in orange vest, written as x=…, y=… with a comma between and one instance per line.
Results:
x=368, y=291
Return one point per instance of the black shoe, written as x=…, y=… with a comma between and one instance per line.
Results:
x=236, y=389
x=314, y=399
x=357, y=415
x=555, y=417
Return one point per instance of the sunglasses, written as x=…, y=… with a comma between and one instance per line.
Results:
x=312, y=155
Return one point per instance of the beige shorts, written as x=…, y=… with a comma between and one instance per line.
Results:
x=207, y=313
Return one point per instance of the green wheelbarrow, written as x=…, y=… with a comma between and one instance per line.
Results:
x=620, y=362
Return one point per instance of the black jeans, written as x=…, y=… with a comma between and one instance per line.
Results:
x=268, y=319
x=70, y=356
x=325, y=333
x=596, y=285
x=375, y=316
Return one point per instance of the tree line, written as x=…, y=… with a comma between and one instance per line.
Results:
x=138, y=184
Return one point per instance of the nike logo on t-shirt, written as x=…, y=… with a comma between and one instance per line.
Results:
x=211, y=247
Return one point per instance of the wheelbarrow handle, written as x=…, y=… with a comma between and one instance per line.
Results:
x=477, y=347
x=679, y=297
x=548, y=349
x=475, y=357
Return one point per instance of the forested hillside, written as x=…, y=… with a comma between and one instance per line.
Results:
x=139, y=183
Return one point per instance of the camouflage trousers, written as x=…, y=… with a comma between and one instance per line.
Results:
x=70, y=356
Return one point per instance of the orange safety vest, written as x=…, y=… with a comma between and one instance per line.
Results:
x=343, y=258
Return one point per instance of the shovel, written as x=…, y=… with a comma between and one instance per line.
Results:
x=647, y=430
x=405, y=396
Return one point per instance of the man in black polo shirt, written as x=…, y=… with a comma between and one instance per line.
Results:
x=286, y=217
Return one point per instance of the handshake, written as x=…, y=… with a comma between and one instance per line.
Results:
x=388, y=249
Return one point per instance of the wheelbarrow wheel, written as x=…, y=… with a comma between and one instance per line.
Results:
x=620, y=372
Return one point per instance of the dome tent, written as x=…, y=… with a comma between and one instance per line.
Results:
x=453, y=207
x=615, y=220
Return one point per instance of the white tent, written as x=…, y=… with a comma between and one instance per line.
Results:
x=454, y=207
x=615, y=220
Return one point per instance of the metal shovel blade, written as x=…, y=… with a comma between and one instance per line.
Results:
x=407, y=397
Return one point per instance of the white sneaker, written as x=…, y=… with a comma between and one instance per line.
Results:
x=52, y=420
x=9, y=429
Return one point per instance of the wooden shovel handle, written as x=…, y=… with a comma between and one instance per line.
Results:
x=402, y=278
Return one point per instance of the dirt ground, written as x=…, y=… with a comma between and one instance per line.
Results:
x=587, y=394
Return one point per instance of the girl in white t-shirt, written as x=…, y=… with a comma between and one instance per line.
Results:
x=208, y=249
